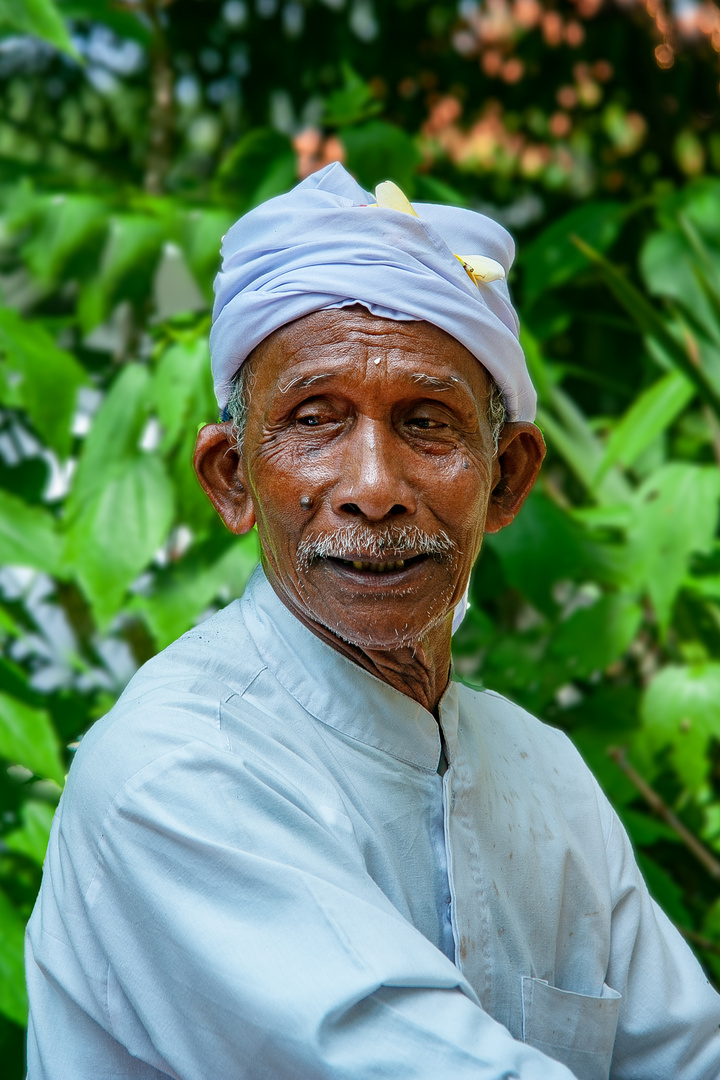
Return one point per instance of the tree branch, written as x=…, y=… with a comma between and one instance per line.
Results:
x=661, y=808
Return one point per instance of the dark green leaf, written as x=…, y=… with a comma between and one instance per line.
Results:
x=13, y=998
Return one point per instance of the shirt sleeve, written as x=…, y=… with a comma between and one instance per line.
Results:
x=245, y=938
x=669, y=1023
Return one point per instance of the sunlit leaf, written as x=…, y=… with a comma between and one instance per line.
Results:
x=38, y=17
x=681, y=709
x=182, y=388
x=28, y=535
x=676, y=514
x=649, y=415
x=28, y=738
x=114, y=435
x=31, y=838
x=119, y=529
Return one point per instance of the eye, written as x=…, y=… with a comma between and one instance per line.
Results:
x=308, y=421
x=425, y=423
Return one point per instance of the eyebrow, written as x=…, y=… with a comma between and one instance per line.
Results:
x=305, y=380
x=432, y=382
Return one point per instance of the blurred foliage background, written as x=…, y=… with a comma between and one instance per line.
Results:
x=133, y=132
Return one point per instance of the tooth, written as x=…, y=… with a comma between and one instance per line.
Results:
x=358, y=565
x=381, y=567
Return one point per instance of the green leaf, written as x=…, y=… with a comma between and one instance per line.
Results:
x=114, y=435
x=645, y=830
x=71, y=222
x=650, y=414
x=260, y=165
x=193, y=586
x=543, y=546
x=681, y=709
x=592, y=638
x=37, y=375
x=28, y=535
x=379, y=151
x=32, y=838
x=352, y=103
x=182, y=388
x=129, y=263
x=122, y=21
x=666, y=892
x=200, y=239
x=38, y=17
x=28, y=738
x=676, y=513
x=552, y=258
x=118, y=531
x=652, y=324
x=13, y=996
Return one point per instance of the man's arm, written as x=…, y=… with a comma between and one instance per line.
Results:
x=669, y=1024
x=237, y=934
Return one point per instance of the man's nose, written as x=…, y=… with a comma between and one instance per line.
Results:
x=372, y=482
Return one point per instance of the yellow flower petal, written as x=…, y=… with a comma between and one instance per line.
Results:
x=481, y=268
x=390, y=197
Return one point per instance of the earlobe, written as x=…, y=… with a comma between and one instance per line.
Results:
x=218, y=468
x=521, y=449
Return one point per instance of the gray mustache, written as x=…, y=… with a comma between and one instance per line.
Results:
x=386, y=541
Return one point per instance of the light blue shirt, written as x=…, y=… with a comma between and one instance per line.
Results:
x=256, y=872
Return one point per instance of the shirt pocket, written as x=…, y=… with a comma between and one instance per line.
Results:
x=575, y=1029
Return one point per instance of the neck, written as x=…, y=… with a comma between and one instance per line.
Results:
x=421, y=670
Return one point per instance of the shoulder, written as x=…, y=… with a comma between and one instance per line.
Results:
x=172, y=703
x=529, y=752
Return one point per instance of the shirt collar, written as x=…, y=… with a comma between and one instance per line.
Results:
x=337, y=691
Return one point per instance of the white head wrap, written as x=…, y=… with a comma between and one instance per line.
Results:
x=326, y=245
x=323, y=246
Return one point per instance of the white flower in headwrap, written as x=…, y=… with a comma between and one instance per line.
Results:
x=478, y=267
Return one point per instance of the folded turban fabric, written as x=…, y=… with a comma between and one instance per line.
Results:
x=323, y=245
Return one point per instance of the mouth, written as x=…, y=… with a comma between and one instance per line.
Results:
x=375, y=566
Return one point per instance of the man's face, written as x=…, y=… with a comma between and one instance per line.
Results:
x=381, y=427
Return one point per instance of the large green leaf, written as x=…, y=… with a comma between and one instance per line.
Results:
x=649, y=415
x=543, y=546
x=28, y=535
x=114, y=435
x=593, y=637
x=200, y=238
x=38, y=17
x=190, y=588
x=681, y=709
x=40, y=377
x=182, y=388
x=125, y=22
x=676, y=514
x=31, y=838
x=28, y=738
x=128, y=265
x=13, y=996
x=552, y=258
x=118, y=531
x=71, y=222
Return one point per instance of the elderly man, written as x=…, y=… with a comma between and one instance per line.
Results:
x=295, y=850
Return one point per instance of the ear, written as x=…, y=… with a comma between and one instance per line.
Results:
x=219, y=470
x=521, y=449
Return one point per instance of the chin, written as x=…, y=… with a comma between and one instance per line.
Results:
x=406, y=631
